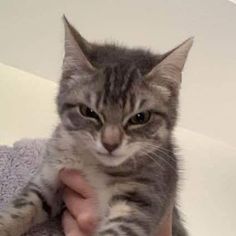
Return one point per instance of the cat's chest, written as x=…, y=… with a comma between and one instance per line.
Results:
x=99, y=182
x=95, y=177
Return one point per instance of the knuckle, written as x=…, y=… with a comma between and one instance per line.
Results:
x=87, y=220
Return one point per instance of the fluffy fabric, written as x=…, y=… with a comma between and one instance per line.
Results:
x=17, y=165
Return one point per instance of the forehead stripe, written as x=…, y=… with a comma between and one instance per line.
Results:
x=118, y=82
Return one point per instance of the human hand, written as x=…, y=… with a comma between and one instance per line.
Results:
x=80, y=218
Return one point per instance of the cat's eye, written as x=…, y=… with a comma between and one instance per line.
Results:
x=140, y=118
x=88, y=112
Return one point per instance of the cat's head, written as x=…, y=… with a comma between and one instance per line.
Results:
x=117, y=102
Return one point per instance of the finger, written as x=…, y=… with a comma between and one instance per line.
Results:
x=70, y=225
x=83, y=210
x=74, y=180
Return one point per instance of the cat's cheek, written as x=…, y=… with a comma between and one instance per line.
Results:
x=68, y=121
x=163, y=134
x=157, y=130
x=111, y=161
x=73, y=120
x=68, y=124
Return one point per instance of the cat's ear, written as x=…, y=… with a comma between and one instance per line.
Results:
x=169, y=70
x=75, y=48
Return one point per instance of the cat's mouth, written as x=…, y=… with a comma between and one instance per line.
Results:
x=109, y=155
x=110, y=159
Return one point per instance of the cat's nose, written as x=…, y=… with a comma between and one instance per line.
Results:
x=111, y=137
x=110, y=147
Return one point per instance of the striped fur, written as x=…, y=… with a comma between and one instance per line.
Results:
x=135, y=174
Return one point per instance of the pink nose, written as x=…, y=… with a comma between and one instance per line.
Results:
x=110, y=147
x=111, y=137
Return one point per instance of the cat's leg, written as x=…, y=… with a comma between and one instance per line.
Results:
x=178, y=226
x=131, y=214
x=38, y=201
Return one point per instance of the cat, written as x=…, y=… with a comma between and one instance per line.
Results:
x=117, y=108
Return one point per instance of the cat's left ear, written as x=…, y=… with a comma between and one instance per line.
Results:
x=76, y=48
x=169, y=70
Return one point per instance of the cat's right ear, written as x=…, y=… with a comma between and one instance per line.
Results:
x=75, y=48
x=169, y=71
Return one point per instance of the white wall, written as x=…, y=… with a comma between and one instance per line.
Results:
x=31, y=38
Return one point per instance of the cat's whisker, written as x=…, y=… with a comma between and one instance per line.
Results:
x=146, y=154
x=167, y=161
x=164, y=160
x=155, y=151
x=149, y=152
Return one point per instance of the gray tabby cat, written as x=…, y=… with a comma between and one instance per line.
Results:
x=118, y=108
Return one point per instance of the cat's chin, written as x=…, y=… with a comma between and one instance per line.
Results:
x=110, y=160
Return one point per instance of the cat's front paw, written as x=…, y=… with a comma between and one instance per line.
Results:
x=3, y=232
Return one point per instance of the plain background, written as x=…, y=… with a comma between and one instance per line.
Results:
x=32, y=40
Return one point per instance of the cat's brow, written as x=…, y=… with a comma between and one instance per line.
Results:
x=139, y=104
x=142, y=104
x=87, y=96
